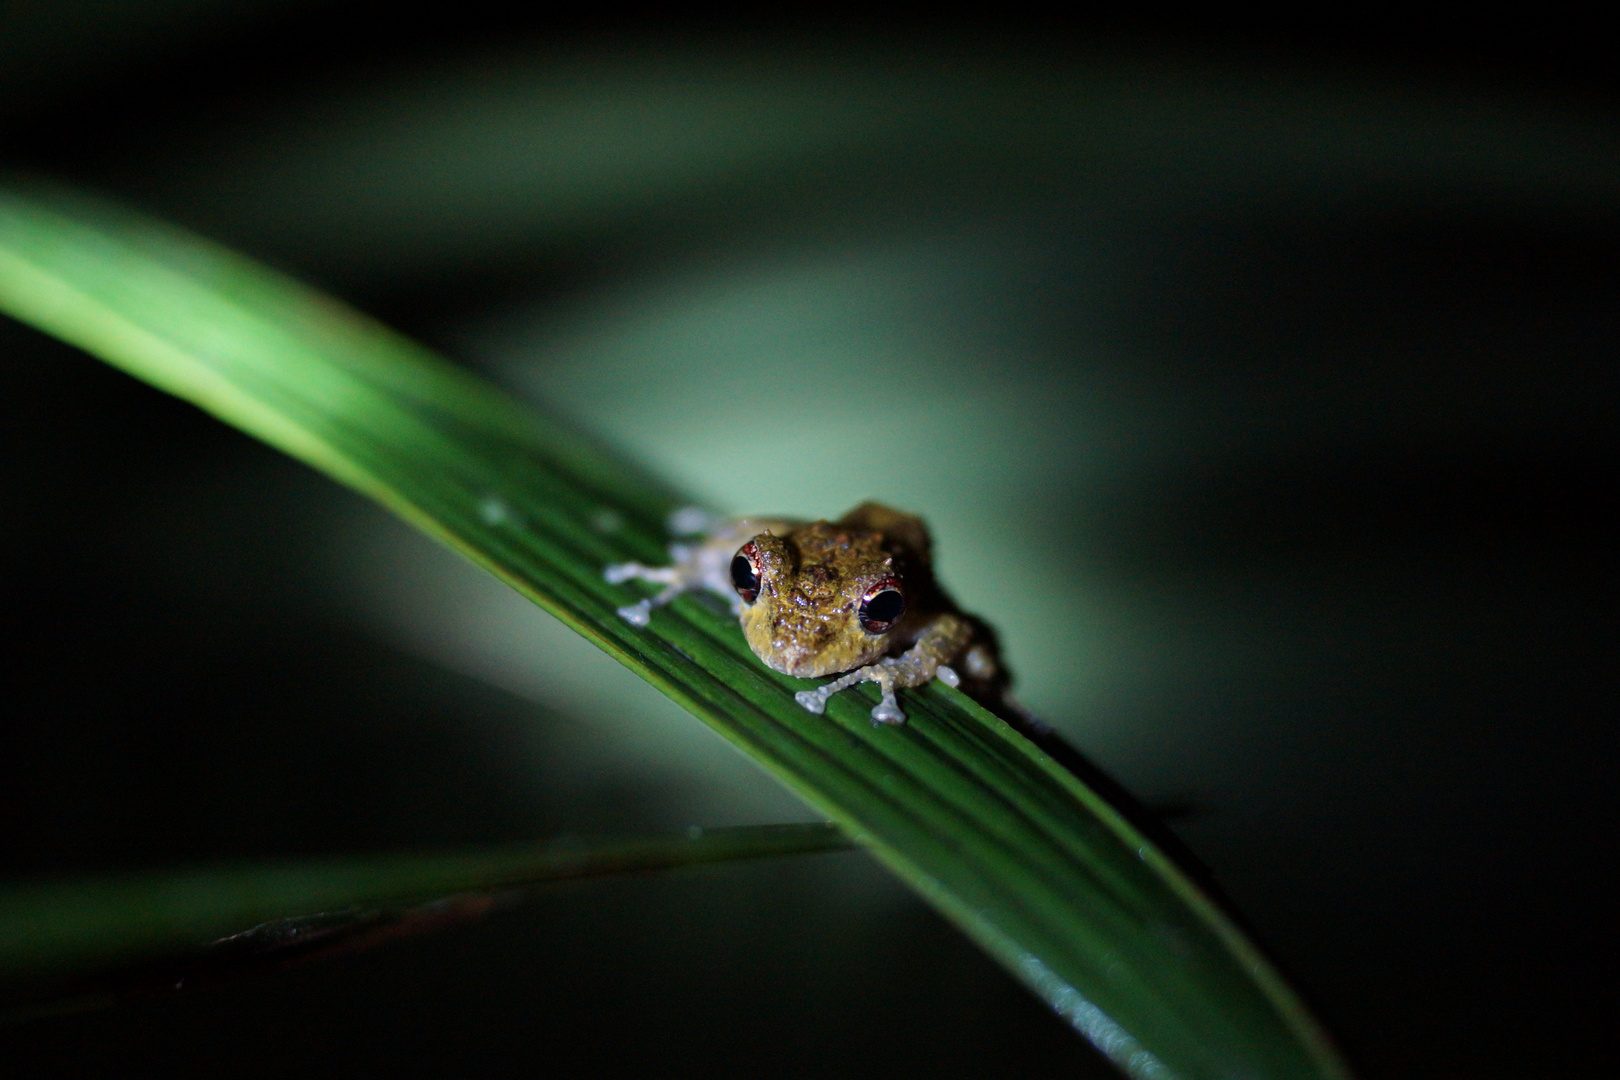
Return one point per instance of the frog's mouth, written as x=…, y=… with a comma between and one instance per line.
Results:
x=809, y=667
x=809, y=649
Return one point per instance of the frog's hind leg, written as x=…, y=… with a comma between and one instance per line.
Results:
x=687, y=572
x=704, y=565
x=640, y=613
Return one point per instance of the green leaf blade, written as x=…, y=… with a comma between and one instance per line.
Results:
x=59, y=934
x=1031, y=863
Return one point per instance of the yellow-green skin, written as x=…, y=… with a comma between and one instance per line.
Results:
x=805, y=619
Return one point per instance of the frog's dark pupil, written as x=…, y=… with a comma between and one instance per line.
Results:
x=744, y=578
x=882, y=610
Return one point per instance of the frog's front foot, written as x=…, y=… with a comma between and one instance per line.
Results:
x=886, y=711
x=638, y=613
x=812, y=700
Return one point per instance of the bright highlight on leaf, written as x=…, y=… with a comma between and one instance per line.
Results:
x=1022, y=856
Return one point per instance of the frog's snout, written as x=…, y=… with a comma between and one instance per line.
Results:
x=787, y=649
x=806, y=648
x=801, y=663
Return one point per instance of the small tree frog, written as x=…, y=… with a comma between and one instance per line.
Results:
x=854, y=597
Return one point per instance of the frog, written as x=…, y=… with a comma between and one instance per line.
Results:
x=854, y=598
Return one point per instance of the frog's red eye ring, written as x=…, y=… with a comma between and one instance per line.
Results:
x=745, y=572
x=882, y=605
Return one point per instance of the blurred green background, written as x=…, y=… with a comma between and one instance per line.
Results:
x=1260, y=389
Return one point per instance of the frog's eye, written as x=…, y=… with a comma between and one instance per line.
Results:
x=745, y=572
x=882, y=605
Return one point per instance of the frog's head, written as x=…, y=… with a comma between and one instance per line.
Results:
x=823, y=599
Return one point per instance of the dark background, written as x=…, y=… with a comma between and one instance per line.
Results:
x=1367, y=590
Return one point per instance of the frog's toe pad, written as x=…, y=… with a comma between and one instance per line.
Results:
x=812, y=701
x=638, y=613
x=888, y=711
x=948, y=676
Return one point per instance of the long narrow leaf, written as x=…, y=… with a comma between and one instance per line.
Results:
x=1023, y=856
x=60, y=938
